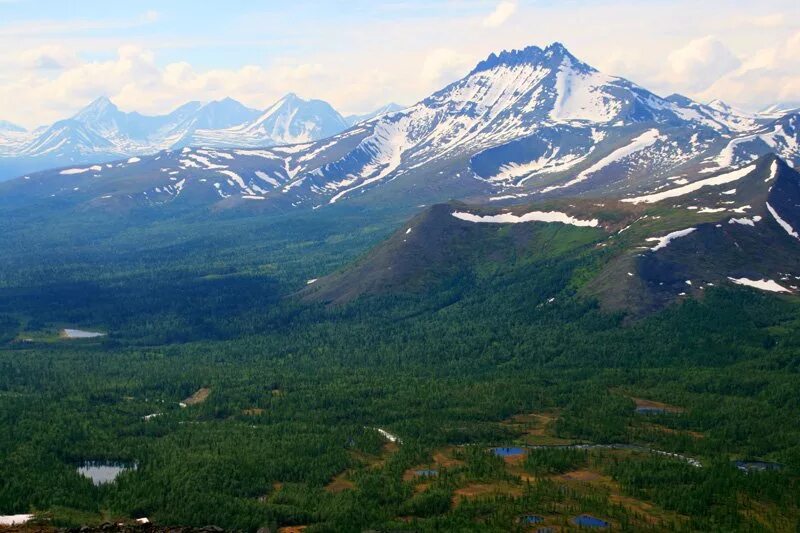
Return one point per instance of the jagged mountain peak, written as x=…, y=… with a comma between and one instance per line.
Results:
x=552, y=55
x=97, y=108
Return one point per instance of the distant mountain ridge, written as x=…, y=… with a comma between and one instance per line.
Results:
x=100, y=131
x=388, y=108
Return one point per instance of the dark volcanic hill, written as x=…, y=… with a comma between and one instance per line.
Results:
x=636, y=253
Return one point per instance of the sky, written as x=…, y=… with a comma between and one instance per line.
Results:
x=361, y=54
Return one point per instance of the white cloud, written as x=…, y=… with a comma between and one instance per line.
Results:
x=443, y=65
x=47, y=57
x=775, y=20
x=51, y=68
x=771, y=21
x=700, y=63
x=151, y=16
x=134, y=80
x=43, y=27
x=501, y=13
x=771, y=74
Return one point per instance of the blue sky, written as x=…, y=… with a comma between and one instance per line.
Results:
x=153, y=56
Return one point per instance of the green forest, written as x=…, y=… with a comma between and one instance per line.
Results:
x=233, y=401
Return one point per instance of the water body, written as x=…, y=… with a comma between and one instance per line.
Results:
x=81, y=334
x=688, y=460
x=586, y=520
x=508, y=451
x=101, y=473
x=426, y=473
x=651, y=410
x=531, y=519
x=757, y=466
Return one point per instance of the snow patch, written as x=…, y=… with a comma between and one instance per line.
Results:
x=579, y=96
x=722, y=179
x=762, y=284
x=645, y=140
x=664, y=241
x=773, y=171
x=69, y=171
x=533, y=216
x=267, y=178
x=14, y=519
x=388, y=436
x=785, y=225
x=745, y=221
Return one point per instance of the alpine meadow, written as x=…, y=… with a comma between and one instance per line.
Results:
x=242, y=289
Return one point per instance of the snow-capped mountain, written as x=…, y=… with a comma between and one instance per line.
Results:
x=532, y=123
x=290, y=120
x=12, y=137
x=101, y=132
x=388, y=108
x=540, y=121
x=778, y=110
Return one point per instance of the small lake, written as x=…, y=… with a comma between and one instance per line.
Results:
x=757, y=466
x=586, y=520
x=101, y=472
x=508, y=451
x=651, y=410
x=82, y=334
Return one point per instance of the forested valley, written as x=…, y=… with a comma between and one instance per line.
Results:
x=233, y=401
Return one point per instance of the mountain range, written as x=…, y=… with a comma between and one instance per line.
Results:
x=101, y=132
x=522, y=125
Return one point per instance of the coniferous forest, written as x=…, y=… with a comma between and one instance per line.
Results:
x=230, y=399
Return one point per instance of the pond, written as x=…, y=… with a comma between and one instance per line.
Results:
x=586, y=520
x=103, y=472
x=81, y=334
x=757, y=466
x=426, y=473
x=508, y=451
x=651, y=410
